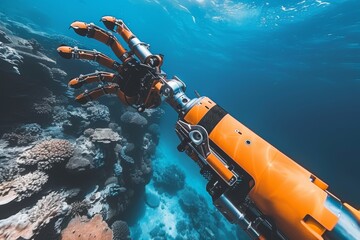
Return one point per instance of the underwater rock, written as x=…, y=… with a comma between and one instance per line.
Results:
x=120, y=230
x=111, y=180
x=27, y=223
x=35, y=45
x=22, y=187
x=4, y=38
x=133, y=118
x=78, y=163
x=152, y=199
x=171, y=178
x=26, y=51
x=10, y=59
x=115, y=127
x=82, y=228
x=47, y=154
x=153, y=114
x=88, y=150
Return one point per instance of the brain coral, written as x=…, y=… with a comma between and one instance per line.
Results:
x=47, y=153
x=120, y=230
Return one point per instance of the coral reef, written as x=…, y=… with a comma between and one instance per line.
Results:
x=4, y=38
x=22, y=187
x=170, y=178
x=23, y=135
x=81, y=228
x=10, y=59
x=97, y=113
x=75, y=120
x=47, y=154
x=27, y=223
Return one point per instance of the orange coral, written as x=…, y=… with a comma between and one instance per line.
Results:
x=82, y=228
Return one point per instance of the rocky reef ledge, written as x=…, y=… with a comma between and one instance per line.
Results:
x=66, y=171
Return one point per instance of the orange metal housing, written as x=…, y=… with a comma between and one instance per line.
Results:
x=283, y=190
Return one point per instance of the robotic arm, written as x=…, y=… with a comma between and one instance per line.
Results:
x=251, y=183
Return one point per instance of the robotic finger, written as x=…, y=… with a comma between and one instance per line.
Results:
x=94, y=77
x=91, y=55
x=140, y=49
x=111, y=89
x=92, y=31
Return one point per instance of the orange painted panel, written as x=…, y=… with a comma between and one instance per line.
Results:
x=198, y=111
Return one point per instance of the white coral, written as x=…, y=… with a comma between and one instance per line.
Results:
x=22, y=187
x=47, y=153
x=28, y=222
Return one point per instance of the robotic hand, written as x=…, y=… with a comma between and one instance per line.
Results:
x=134, y=81
x=251, y=183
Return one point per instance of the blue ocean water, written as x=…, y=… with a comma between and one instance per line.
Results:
x=289, y=70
